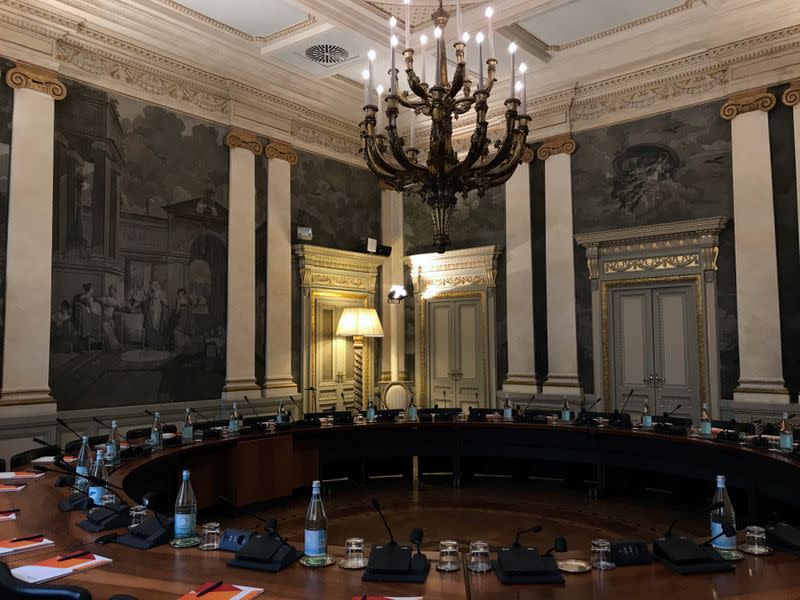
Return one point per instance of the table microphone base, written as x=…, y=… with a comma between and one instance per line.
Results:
x=416, y=570
x=517, y=565
x=153, y=532
x=265, y=553
x=102, y=518
x=74, y=502
x=685, y=557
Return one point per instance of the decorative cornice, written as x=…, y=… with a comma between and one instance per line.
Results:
x=24, y=76
x=747, y=102
x=560, y=144
x=239, y=138
x=791, y=96
x=282, y=151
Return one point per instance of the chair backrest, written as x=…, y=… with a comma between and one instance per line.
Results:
x=73, y=447
x=12, y=588
x=396, y=394
x=141, y=432
x=23, y=458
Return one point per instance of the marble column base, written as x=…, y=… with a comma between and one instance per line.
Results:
x=27, y=403
x=236, y=389
x=761, y=391
x=279, y=386
x=563, y=385
x=521, y=383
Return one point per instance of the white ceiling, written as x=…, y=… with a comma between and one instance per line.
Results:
x=253, y=17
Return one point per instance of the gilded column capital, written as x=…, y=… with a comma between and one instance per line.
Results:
x=25, y=76
x=791, y=97
x=527, y=155
x=560, y=144
x=282, y=151
x=746, y=102
x=239, y=138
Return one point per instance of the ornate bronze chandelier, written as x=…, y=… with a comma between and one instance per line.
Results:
x=397, y=162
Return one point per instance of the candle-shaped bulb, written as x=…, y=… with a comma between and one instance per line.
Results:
x=392, y=21
x=379, y=89
x=523, y=93
x=512, y=47
x=371, y=55
x=488, y=12
x=423, y=39
x=479, y=37
x=394, y=41
x=523, y=68
x=465, y=37
x=365, y=76
x=518, y=87
x=437, y=32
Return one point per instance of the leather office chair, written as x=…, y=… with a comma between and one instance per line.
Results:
x=23, y=458
x=12, y=588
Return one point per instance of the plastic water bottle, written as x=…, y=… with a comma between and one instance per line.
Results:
x=84, y=464
x=157, y=432
x=508, y=410
x=187, y=433
x=787, y=434
x=113, y=446
x=185, y=515
x=723, y=515
x=233, y=420
x=705, y=422
x=370, y=412
x=647, y=418
x=566, y=413
x=412, y=410
x=281, y=418
x=99, y=472
x=315, y=545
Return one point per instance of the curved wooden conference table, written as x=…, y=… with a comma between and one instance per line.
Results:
x=259, y=467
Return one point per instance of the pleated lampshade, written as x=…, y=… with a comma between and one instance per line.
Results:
x=359, y=321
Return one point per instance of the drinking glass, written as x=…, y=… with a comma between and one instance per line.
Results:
x=479, y=557
x=600, y=555
x=138, y=513
x=755, y=542
x=354, y=553
x=211, y=535
x=449, y=556
x=401, y=416
x=108, y=499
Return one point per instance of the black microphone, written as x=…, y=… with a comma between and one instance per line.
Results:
x=271, y=522
x=534, y=529
x=559, y=545
x=96, y=420
x=625, y=404
x=667, y=415
x=528, y=404
x=416, y=538
x=297, y=406
x=65, y=426
x=149, y=413
x=253, y=408
x=377, y=506
x=592, y=405
x=45, y=444
x=727, y=530
x=59, y=461
x=707, y=509
x=205, y=418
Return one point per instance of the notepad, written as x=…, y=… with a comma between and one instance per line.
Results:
x=50, y=569
x=12, y=487
x=20, y=475
x=47, y=460
x=227, y=591
x=9, y=546
x=7, y=516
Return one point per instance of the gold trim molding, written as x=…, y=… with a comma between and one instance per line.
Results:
x=747, y=102
x=560, y=144
x=239, y=138
x=791, y=96
x=24, y=76
x=282, y=151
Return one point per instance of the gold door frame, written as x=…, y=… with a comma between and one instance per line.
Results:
x=605, y=308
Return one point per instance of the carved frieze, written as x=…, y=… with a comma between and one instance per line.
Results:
x=282, y=151
x=652, y=263
x=238, y=138
x=470, y=267
x=747, y=102
x=560, y=144
x=322, y=267
x=24, y=76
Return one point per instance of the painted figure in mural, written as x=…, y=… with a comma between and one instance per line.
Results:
x=110, y=305
x=184, y=324
x=155, y=316
x=62, y=328
x=638, y=170
x=86, y=317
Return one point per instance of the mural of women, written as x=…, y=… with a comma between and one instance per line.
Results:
x=184, y=327
x=86, y=317
x=155, y=316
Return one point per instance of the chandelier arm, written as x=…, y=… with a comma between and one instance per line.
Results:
x=416, y=86
x=503, y=152
x=458, y=80
x=463, y=106
x=477, y=143
x=376, y=159
x=513, y=159
x=396, y=146
x=403, y=101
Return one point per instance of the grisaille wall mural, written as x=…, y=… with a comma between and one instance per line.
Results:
x=139, y=295
x=669, y=167
x=6, y=108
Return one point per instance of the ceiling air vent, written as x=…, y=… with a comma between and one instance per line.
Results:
x=327, y=54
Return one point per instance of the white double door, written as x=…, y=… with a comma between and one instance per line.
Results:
x=654, y=348
x=334, y=372
x=456, y=370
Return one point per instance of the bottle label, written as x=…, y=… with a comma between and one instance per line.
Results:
x=155, y=439
x=412, y=413
x=787, y=441
x=96, y=494
x=705, y=427
x=315, y=542
x=233, y=426
x=188, y=433
x=725, y=541
x=81, y=481
x=111, y=453
x=508, y=413
x=647, y=420
x=566, y=415
x=184, y=525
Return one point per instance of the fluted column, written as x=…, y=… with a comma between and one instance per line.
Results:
x=562, y=340
x=240, y=348
x=30, y=240
x=521, y=377
x=393, y=357
x=758, y=318
x=791, y=97
x=279, y=380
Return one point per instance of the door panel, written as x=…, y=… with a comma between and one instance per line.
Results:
x=632, y=348
x=440, y=352
x=333, y=372
x=676, y=350
x=469, y=365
